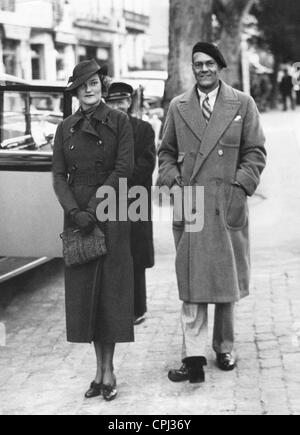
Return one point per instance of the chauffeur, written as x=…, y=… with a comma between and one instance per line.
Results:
x=120, y=97
x=93, y=148
x=212, y=138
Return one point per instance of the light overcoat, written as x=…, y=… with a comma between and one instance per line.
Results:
x=213, y=265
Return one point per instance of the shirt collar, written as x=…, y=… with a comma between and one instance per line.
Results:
x=212, y=94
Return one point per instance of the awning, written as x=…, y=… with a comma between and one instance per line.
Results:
x=19, y=33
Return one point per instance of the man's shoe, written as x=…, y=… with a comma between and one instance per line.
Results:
x=195, y=369
x=94, y=391
x=191, y=370
x=226, y=362
x=181, y=375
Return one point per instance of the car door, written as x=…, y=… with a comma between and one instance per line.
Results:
x=30, y=216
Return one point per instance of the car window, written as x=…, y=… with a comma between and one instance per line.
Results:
x=28, y=120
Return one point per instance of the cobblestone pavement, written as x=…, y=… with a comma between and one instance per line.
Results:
x=42, y=374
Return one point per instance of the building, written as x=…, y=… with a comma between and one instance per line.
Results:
x=156, y=57
x=44, y=39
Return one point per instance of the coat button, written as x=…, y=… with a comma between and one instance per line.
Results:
x=100, y=142
x=72, y=147
x=72, y=130
x=221, y=153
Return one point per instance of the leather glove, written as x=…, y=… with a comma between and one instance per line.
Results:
x=84, y=220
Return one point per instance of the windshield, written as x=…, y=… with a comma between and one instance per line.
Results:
x=28, y=120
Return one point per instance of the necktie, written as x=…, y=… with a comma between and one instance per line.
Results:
x=206, y=109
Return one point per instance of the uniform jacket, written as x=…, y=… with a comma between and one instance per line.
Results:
x=87, y=155
x=213, y=265
x=145, y=160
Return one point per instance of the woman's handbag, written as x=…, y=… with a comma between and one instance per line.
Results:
x=80, y=249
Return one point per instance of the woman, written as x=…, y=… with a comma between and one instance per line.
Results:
x=93, y=148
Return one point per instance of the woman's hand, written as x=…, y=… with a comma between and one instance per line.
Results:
x=85, y=220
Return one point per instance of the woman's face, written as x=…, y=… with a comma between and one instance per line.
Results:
x=89, y=94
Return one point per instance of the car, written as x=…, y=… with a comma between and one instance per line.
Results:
x=31, y=218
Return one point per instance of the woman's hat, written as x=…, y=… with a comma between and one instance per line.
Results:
x=118, y=91
x=83, y=71
x=212, y=50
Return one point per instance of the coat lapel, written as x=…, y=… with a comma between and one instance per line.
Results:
x=225, y=110
x=190, y=110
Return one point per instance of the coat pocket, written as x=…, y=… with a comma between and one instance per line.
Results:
x=231, y=143
x=237, y=210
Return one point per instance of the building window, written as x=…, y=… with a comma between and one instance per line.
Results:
x=102, y=55
x=36, y=61
x=60, y=62
x=8, y=5
x=10, y=56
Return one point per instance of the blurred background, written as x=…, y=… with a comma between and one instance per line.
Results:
x=146, y=42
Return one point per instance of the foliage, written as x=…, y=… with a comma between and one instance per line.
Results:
x=279, y=22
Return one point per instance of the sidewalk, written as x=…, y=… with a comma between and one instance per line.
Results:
x=42, y=374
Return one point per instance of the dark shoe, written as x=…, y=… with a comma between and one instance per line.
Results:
x=226, y=362
x=195, y=369
x=192, y=370
x=94, y=391
x=110, y=392
x=181, y=375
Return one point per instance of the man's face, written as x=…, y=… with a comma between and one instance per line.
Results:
x=123, y=104
x=206, y=71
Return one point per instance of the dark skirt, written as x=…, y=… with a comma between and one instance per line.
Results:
x=100, y=295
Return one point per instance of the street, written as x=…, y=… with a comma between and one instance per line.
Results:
x=40, y=373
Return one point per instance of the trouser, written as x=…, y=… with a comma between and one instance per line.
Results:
x=140, y=298
x=194, y=320
x=285, y=102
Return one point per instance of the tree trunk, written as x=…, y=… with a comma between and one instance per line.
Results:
x=190, y=22
x=230, y=14
x=230, y=45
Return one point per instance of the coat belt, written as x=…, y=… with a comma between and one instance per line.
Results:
x=91, y=179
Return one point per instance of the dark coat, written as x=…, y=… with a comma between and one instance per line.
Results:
x=99, y=295
x=286, y=85
x=145, y=160
x=213, y=265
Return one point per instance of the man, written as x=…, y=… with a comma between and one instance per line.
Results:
x=212, y=138
x=120, y=98
x=287, y=90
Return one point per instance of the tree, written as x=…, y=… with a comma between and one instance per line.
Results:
x=230, y=14
x=190, y=22
x=279, y=24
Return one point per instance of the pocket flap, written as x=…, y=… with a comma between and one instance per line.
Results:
x=225, y=143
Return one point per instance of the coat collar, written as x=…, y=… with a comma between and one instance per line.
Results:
x=101, y=114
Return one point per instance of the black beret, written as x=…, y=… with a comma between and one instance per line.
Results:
x=118, y=91
x=212, y=50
